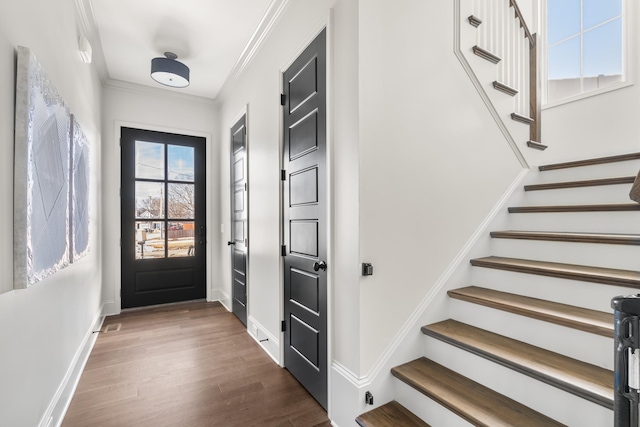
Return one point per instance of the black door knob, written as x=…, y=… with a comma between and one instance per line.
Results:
x=231, y=243
x=321, y=265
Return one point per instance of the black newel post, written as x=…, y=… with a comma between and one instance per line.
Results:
x=627, y=351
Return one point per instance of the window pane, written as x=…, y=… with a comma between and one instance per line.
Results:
x=563, y=19
x=180, y=163
x=603, y=50
x=149, y=160
x=149, y=200
x=598, y=11
x=564, y=60
x=181, y=201
x=181, y=239
x=564, y=70
x=149, y=239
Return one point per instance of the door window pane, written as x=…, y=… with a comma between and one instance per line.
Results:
x=181, y=201
x=149, y=239
x=149, y=200
x=180, y=163
x=180, y=236
x=598, y=11
x=149, y=160
x=563, y=19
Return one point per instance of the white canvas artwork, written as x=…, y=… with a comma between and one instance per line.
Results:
x=41, y=175
x=79, y=238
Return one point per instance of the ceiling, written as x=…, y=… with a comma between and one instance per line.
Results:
x=209, y=36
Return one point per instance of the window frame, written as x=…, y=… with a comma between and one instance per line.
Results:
x=627, y=76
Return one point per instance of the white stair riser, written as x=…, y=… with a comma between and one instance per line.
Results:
x=551, y=401
x=626, y=257
x=587, y=347
x=594, y=222
x=594, y=296
x=607, y=170
x=600, y=194
x=425, y=408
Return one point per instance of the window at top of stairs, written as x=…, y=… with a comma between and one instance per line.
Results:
x=585, y=47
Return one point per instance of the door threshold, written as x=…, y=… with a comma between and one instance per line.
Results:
x=168, y=304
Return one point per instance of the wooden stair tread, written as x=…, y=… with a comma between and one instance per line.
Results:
x=485, y=54
x=391, y=414
x=589, y=162
x=537, y=145
x=584, y=183
x=605, y=238
x=474, y=402
x=596, y=322
x=574, y=376
x=612, y=207
x=606, y=276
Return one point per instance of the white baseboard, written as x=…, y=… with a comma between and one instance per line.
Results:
x=54, y=415
x=269, y=343
x=222, y=297
x=110, y=308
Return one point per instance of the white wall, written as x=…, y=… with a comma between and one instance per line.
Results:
x=154, y=109
x=432, y=161
x=43, y=327
x=258, y=87
x=604, y=124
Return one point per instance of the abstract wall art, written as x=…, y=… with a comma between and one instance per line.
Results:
x=79, y=237
x=41, y=175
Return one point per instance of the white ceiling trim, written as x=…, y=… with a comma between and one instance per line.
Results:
x=161, y=93
x=271, y=17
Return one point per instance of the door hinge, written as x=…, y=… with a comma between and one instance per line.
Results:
x=120, y=242
x=246, y=243
x=283, y=326
x=283, y=250
x=120, y=140
x=245, y=186
x=283, y=175
x=283, y=99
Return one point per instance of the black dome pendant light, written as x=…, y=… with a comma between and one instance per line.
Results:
x=169, y=72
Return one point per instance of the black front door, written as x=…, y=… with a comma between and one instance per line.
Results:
x=239, y=240
x=305, y=222
x=163, y=242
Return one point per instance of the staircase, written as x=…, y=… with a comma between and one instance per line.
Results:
x=529, y=341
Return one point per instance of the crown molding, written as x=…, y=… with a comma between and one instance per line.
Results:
x=272, y=15
x=160, y=93
x=89, y=29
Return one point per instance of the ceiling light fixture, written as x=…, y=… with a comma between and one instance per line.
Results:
x=169, y=72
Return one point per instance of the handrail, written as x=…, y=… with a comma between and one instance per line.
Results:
x=523, y=24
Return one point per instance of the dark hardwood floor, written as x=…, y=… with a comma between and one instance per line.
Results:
x=188, y=364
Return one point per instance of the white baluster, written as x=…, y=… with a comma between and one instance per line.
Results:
x=527, y=74
x=482, y=29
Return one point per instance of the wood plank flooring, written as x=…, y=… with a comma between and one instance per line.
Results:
x=187, y=364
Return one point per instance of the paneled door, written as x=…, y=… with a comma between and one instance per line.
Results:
x=163, y=241
x=305, y=219
x=239, y=239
